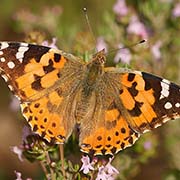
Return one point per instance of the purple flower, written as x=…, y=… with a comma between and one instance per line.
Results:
x=26, y=131
x=101, y=44
x=18, y=176
x=18, y=151
x=101, y=174
x=107, y=172
x=176, y=10
x=155, y=50
x=120, y=8
x=51, y=45
x=137, y=27
x=123, y=55
x=86, y=166
x=148, y=145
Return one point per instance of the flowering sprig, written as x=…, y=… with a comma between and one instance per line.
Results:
x=19, y=176
x=107, y=172
x=130, y=25
x=86, y=165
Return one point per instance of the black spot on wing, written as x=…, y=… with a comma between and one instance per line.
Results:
x=136, y=110
x=152, y=82
x=57, y=57
x=49, y=67
x=111, y=124
x=35, y=128
x=36, y=52
x=131, y=77
x=133, y=90
x=113, y=150
x=36, y=85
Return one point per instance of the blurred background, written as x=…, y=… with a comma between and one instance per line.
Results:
x=115, y=24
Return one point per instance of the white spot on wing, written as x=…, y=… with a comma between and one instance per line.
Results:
x=5, y=77
x=157, y=125
x=11, y=65
x=4, y=45
x=165, y=120
x=177, y=105
x=10, y=87
x=23, y=49
x=168, y=105
x=20, y=60
x=146, y=130
x=165, y=88
x=2, y=59
x=20, y=53
x=24, y=44
x=1, y=53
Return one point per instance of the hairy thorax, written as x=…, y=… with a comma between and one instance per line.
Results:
x=87, y=96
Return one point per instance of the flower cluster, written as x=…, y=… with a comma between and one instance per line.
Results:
x=105, y=171
x=127, y=24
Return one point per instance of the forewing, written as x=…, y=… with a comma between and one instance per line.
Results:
x=44, y=79
x=149, y=100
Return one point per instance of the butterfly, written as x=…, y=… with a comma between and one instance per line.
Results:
x=112, y=106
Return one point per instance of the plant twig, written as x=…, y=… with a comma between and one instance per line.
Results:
x=49, y=163
x=61, y=151
x=44, y=169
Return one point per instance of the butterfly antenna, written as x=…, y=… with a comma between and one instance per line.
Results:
x=89, y=25
x=125, y=47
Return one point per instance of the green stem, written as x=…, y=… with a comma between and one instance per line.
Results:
x=53, y=177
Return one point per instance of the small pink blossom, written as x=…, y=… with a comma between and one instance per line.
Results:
x=155, y=50
x=18, y=176
x=51, y=45
x=123, y=55
x=18, y=151
x=101, y=44
x=107, y=172
x=110, y=168
x=26, y=131
x=120, y=8
x=148, y=145
x=101, y=174
x=176, y=10
x=86, y=166
x=137, y=27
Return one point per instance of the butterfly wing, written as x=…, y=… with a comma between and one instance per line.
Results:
x=151, y=102
x=44, y=80
x=128, y=103
x=106, y=131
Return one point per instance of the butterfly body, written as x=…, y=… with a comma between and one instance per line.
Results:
x=112, y=106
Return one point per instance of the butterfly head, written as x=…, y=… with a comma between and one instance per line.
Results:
x=99, y=58
x=95, y=67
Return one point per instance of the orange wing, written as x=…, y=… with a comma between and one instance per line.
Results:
x=149, y=100
x=128, y=103
x=43, y=79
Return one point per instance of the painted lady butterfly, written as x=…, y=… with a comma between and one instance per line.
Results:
x=112, y=106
